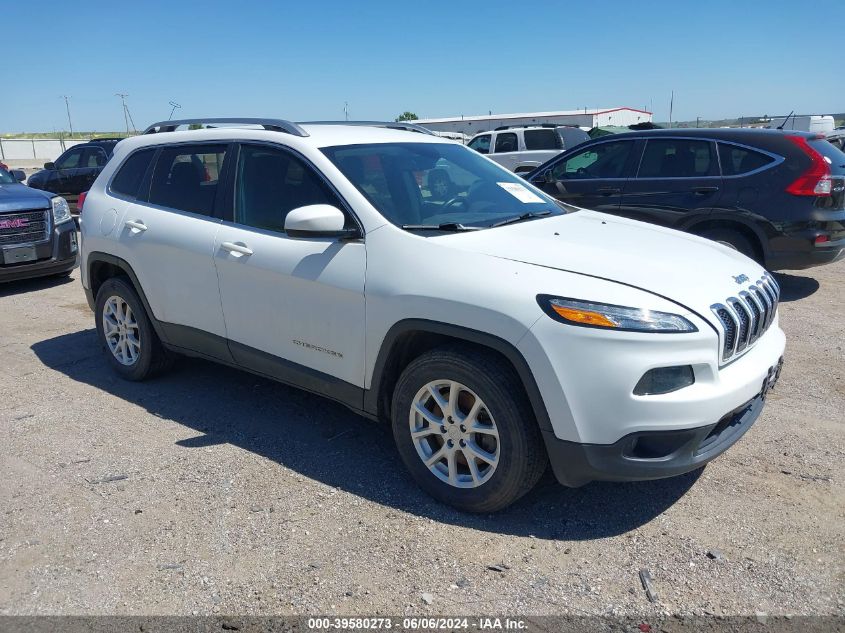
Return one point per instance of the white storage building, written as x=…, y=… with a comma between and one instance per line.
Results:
x=586, y=118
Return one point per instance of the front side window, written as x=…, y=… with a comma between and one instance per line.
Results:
x=437, y=183
x=272, y=182
x=70, y=159
x=506, y=142
x=677, y=158
x=740, y=160
x=546, y=138
x=186, y=177
x=481, y=144
x=603, y=160
x=127, y=180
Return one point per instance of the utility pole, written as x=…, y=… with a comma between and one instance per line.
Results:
x=671, y=107
x=697, y=119
x=67, y=107
x=175, y=107
x=346, y=110
x=125, y=113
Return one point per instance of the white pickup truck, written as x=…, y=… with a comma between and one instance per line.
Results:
x=524, y=148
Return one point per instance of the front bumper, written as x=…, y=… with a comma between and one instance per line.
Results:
x=650, y=454
x=58, y=255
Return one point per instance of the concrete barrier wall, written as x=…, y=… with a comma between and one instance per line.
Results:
x=23, y=152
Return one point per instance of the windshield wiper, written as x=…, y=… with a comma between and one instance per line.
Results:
x=454, y=227
x=520, y=218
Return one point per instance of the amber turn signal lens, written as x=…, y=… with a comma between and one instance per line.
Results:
x=586, y=317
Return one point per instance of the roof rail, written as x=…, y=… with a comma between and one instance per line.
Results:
x=274, y=125
x=510, y=127
x=393, y=125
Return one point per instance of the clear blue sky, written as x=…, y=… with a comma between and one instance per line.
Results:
x=303, y=60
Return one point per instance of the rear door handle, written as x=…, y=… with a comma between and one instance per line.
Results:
x=137, y=226
x=608, y=191
x=236, y=248
x=703, y=190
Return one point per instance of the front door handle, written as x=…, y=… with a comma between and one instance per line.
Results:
x=137, y=226
x=608, y=191
x=704, y=190
x=236, y=248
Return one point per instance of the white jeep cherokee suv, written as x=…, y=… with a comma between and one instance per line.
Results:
x=495, y=329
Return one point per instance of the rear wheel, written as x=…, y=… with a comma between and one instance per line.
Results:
x=132, y=346
x=465, y=431
x=732, y=239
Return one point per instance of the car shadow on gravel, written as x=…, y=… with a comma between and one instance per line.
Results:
x=10, y=288
x=326, y=442
x=795, y=287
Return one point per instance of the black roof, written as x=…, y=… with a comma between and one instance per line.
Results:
x=741, y=134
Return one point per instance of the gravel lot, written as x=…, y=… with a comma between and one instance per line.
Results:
x=212, y=491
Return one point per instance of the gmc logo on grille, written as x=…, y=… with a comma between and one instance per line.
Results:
x=17, y=223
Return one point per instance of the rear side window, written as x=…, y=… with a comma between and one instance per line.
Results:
x=542, y=139
x=481, y=144
x=271, y=183
x=677, y=158
x=506, y=142
x=186, y=177
x=128, y=179
x=740, y=160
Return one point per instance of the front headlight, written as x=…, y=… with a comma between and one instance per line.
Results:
x=61, y=212
x=604, y=315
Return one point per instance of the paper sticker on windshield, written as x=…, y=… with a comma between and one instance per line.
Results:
x=519, y=192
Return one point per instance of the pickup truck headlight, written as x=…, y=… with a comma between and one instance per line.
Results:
x=61, y=212
x=605, y=315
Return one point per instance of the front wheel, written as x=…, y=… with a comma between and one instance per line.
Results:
x=465, y=430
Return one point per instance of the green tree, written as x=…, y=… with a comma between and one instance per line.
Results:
x=407, y=116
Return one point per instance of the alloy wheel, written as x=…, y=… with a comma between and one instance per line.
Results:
x=121, y=331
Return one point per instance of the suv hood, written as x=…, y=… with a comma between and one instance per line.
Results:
x=689, y=270
x=17, y=197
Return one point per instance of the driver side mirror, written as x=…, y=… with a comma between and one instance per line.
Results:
x=18, y=174
x=318, y=220
x=547, y=177
x=49, y=165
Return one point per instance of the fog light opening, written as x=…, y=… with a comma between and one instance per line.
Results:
x=664, y=380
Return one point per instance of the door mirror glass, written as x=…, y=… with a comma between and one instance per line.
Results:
x=18, y=174
x=49, y=165
x=316, y=220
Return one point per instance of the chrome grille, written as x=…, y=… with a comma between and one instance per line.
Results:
x=746, y=317
x=24, y=227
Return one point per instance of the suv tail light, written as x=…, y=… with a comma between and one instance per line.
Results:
x=81, y=201
x=816, y=180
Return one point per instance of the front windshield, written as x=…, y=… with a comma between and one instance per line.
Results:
x=6, y=177
x=432, y=184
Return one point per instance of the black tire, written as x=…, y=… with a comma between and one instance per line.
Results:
x=522, y=454
x=152, y=357
x=733, y=239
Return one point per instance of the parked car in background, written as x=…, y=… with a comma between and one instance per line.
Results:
x=775, y=196
x=496, y=330
x=75, y=170
x=523, y=148
x=837, y=137
x=37, y=234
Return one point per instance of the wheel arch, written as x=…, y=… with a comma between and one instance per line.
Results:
x=757, y=238
x=102, y=267
x=410, y=338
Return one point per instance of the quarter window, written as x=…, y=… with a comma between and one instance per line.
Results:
x=271, y=183
x=677, y=158
x=481, y=144
x=506, y=142
x=603, y=160
x=186, y=177
x=70, y=159
x=543, y=139
x=128, y=179
x=740, y=160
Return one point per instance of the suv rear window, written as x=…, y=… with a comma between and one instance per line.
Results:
x=740, y=160
x=542, y=139
x=128, y=178
x=185, y=177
